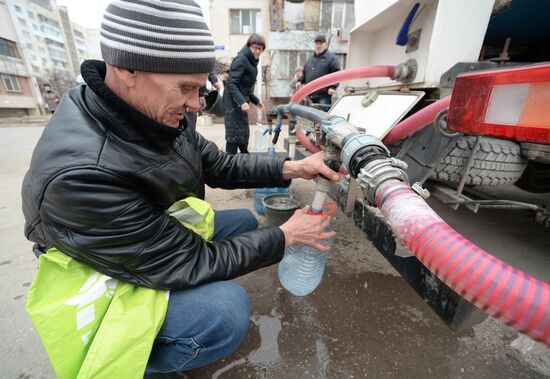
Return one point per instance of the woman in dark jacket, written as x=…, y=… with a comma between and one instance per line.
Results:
x=239, y=92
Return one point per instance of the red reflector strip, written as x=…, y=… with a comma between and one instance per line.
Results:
x=511, y=103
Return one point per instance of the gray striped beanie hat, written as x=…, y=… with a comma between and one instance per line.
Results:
x=157, y=36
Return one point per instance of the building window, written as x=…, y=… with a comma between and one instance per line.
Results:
x=11, y=83
x=48, y=21
x=326, y=15
x=57, y=54
x=26, y=35
x=349, y=16
x=294, y=15
x=337, y=15
x=18, y=9
x=22, y=21
x=30, y=14
x=243, y=21
x=7, y=48
x=282, y=67
x=285, y=62
x=35, y=69
x=43, y=3
x=343, y=60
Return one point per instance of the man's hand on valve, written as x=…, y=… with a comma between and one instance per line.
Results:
x=309, y=168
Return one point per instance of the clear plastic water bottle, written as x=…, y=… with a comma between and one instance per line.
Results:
x=260, y=140
x=302, y=267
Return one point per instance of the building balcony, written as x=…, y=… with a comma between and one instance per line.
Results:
x=55, y=47
x=59, y=58
x=12, y=66
x=17, y=101
x=52, y=36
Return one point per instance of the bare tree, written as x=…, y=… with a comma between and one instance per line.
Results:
x=60, y=80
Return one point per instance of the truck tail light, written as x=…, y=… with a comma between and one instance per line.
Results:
x=512, y=103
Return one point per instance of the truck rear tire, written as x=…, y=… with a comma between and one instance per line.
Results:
x=497, y=162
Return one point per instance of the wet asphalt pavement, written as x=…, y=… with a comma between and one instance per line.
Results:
x=362, y=321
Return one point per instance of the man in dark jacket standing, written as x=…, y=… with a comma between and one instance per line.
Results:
x=322, y=62
x=122, y=148
x=239, y=92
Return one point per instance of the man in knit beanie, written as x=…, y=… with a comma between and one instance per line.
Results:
x=117, y=185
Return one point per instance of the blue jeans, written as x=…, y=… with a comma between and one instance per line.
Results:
x=208, y=322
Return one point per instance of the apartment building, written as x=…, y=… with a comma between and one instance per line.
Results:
x=40, y=30
x=16, y=91
x=69, y=37
x=82, y=43
x=53, y=46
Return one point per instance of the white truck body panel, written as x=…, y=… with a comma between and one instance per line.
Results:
x=452, y=31
x=378, y=118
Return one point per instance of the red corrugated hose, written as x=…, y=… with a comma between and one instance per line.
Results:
x=502, y=291
x=417, y=121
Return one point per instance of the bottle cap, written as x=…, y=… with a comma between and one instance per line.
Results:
x=328, y=209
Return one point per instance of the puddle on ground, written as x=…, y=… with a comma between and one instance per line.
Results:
x=353, y=326
x=269, y=329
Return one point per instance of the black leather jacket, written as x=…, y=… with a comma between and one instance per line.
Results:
x=319, y=65
x=241, y=80
x=102, y=175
